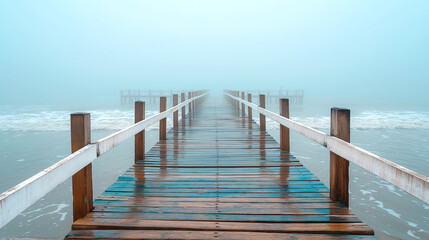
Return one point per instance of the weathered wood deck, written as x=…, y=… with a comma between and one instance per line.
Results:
x=216, y=178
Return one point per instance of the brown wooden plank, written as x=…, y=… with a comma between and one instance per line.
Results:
x=137, y=224
x=193, y=235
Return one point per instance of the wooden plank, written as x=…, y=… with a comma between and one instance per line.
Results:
x=193, y=235
x=138, y=224
x=273, y=218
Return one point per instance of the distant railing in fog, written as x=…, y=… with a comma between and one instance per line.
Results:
x=130, y=96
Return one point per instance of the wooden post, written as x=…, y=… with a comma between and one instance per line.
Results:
x=193, y=102
x=82, y=180
x=182, y=98
x=339, y=167
x=284, y=131
x=243, y=110
x=249, y=110
x=139, y=139
x=262, y=124
x=189, y=104
x=163, y=122
x=237, y=103
x=176, y=113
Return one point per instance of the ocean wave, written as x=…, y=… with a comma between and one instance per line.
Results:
x=368, y=120
x=118, y=119
x=60, y=120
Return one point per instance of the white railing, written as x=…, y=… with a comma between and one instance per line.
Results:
x=412, y=182
x=20, y=197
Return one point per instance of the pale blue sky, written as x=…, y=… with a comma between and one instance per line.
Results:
x=375, y=50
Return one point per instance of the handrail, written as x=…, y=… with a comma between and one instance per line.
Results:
x=20, y=197
x=410, y=181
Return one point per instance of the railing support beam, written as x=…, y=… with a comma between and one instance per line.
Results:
x=249, y=110
x=163, y=122
x=190, y=104
x=82, y=180
x=139, y=139
x=262, y=123
x=284, y=131
x=243, y=110
x=182, y=98
x=176, y=113
x=339, y=167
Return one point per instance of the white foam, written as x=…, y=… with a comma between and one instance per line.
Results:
x=412, y=224
x=367, y=120
x=60, y=120
x=115, y=119
x=410, y=233
x=388, y=210
x=364, y=192
x=57, y=210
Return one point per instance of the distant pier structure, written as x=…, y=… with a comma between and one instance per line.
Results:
x=272, y=96
x=130, y=96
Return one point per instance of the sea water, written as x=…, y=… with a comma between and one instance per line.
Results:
x=34, y=137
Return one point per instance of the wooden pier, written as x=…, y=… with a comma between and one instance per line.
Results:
x=215, y=175
x=218, y=176
x=152, y=96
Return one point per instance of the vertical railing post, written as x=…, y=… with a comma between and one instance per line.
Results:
x=189, y=104
x=237, y=103
x=249, y=110
x=262, y=123
x=243, y=110
x=82, y=180
x=284, y=131
x=175, y=113
x=163, y=122
x=339, y=167
x=193, y=102
x=182, y=98
x=139, y=139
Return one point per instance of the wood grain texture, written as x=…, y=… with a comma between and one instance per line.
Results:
x=249, y=111
x=182, y=99
x=163, y=122
x=284, y=131
x=339, y=167
x=82, y=180
x=262, y=122
x=214, y=178
x=139, y=139
x=176, y=113
x=243, y=109
x=190, y=104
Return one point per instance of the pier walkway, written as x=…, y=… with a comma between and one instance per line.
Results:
x=218, y=176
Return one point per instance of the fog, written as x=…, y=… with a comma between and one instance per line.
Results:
x=372, y=51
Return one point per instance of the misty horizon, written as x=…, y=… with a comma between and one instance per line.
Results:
x=345, y=52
